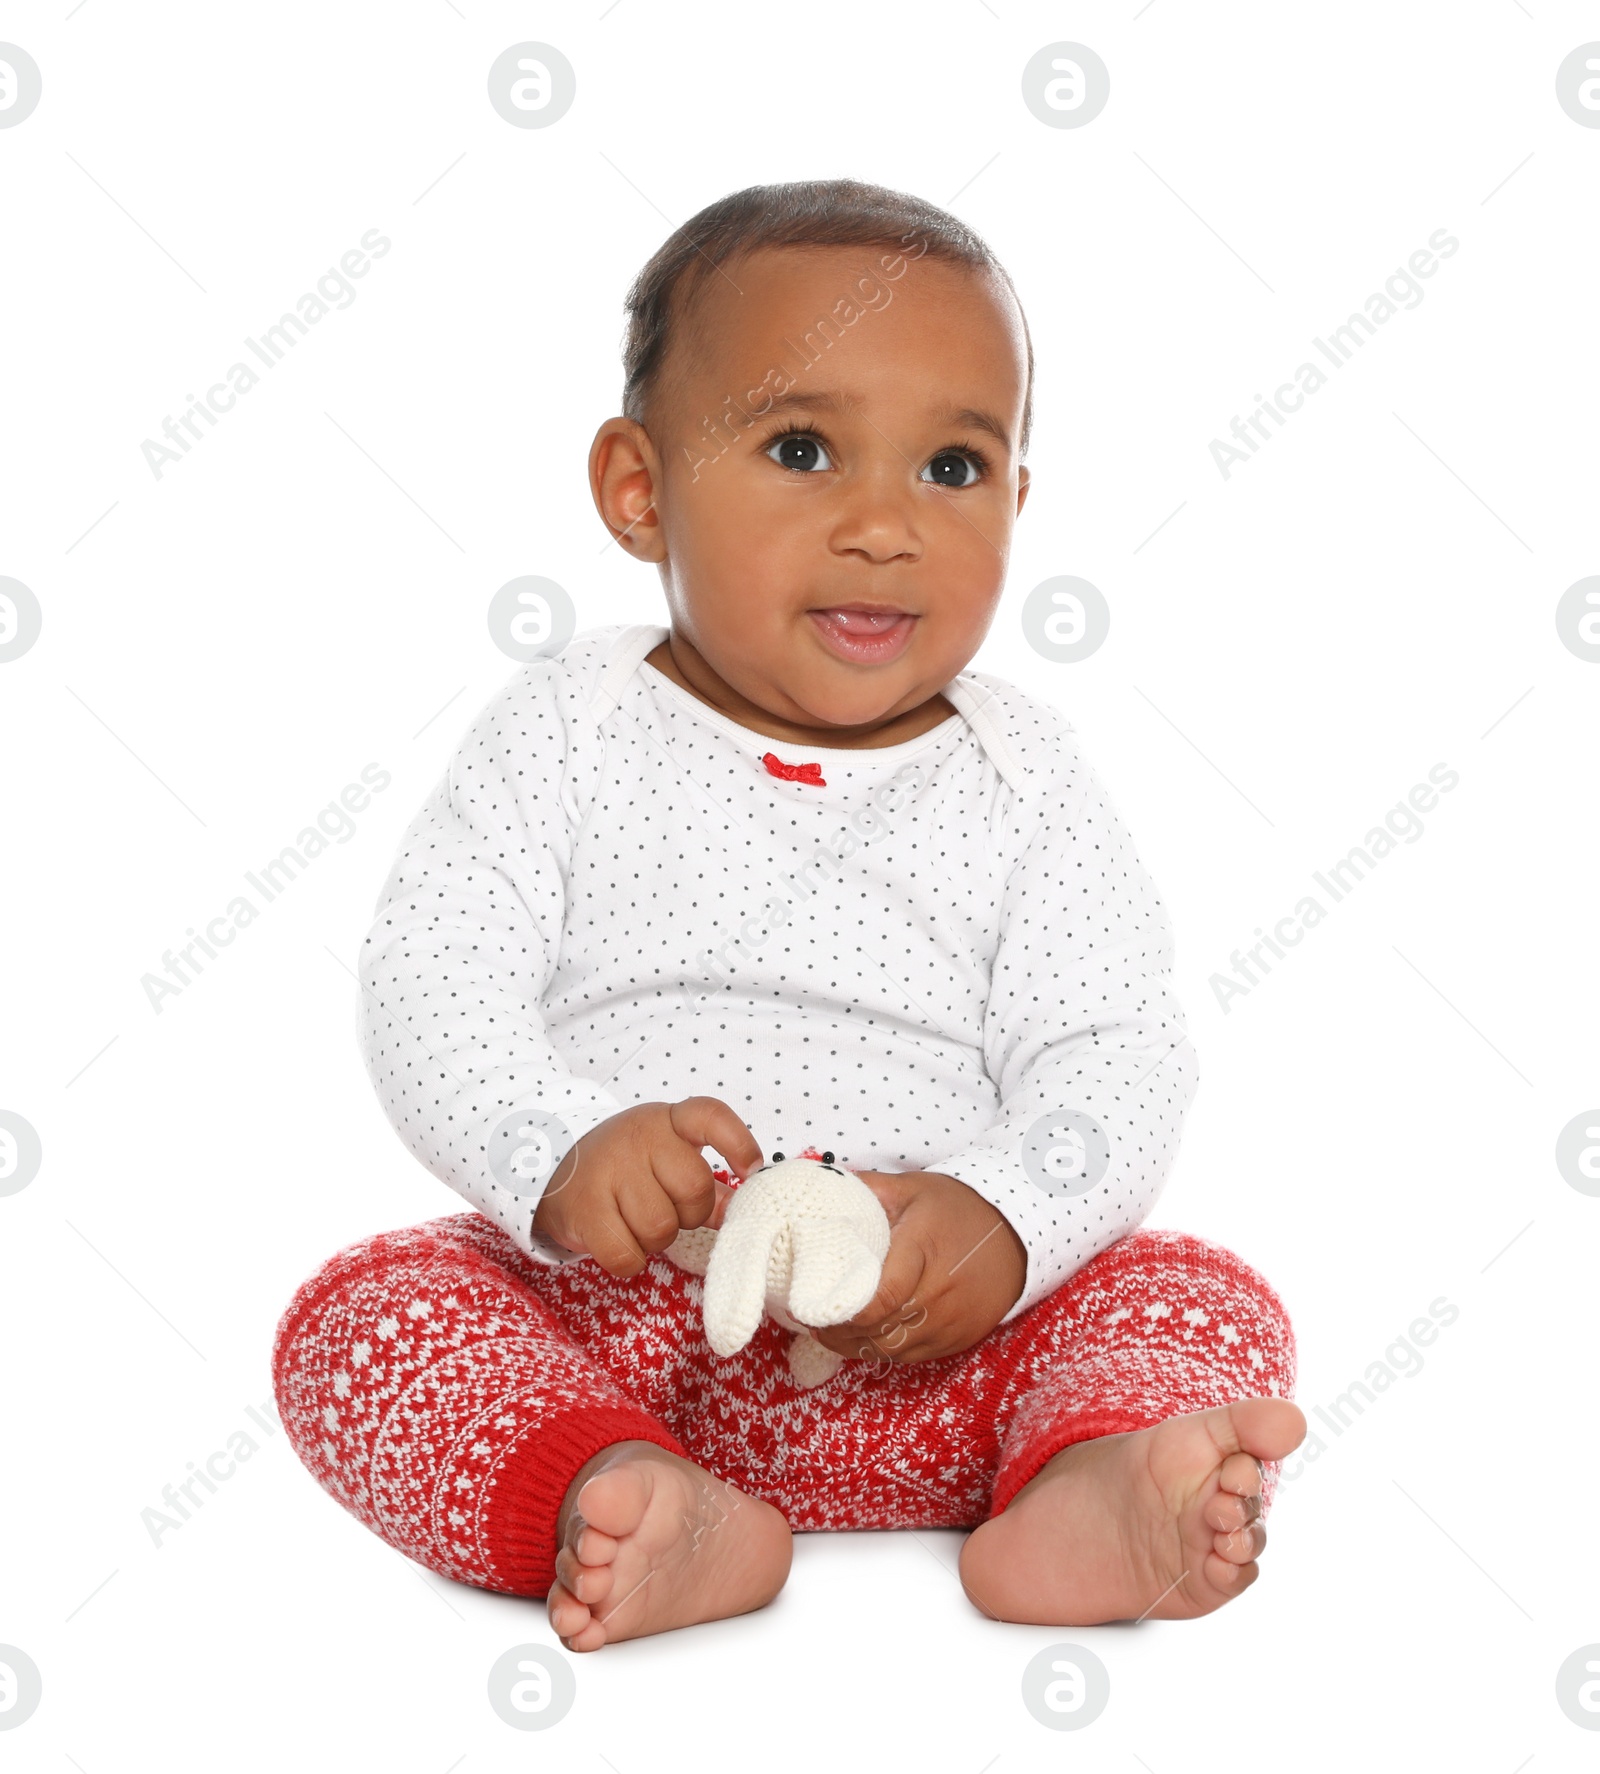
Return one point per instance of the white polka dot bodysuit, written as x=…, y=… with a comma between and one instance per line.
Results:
x=943, y=955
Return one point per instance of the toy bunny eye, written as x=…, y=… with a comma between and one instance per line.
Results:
x=777, y=1158
x=827, y=1158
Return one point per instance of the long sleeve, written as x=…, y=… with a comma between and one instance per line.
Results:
x=467, y=932
x=1081, y=1035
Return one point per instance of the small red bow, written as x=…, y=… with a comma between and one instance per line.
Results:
x=811, y=773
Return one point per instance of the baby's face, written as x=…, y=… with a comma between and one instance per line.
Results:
x=882, y=476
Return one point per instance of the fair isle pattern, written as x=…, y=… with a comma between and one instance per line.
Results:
x=418, y=1369
x=445, y=1388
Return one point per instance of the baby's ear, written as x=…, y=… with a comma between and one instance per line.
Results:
x=623, y=479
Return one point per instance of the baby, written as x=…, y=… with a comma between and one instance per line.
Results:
x=788, y=865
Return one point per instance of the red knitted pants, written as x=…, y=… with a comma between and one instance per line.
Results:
x=446, y=1389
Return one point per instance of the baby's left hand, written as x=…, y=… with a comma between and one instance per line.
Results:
x=954, y=1269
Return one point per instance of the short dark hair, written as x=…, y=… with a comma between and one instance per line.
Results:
x=808, y=212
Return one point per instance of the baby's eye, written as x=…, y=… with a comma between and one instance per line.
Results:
x=800, y=451
x=949, y=469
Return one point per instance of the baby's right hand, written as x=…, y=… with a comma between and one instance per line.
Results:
x=630, y=1185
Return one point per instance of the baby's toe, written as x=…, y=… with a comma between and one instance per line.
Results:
x=572, y=1622
x=568, y=1616
x=1226, y=1512
x=612, y=1504
x=591, y=1546
x=587, y=1583
x=1230, y=1578
x=1243, y=1546
x=1241, y=1475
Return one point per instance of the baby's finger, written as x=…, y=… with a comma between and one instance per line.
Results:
x=882, y=1328
x=710, y=1209
x=899, y=1338
x=614, y=1248
x=721, y=1196
x=649, y=1213
x=707, y=1121
x=902, y=1275
x=689, y=1184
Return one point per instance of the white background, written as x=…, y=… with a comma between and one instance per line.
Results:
x=1291, y=649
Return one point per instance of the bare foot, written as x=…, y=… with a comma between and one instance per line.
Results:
x=649, y=1541
x=1156, y=1523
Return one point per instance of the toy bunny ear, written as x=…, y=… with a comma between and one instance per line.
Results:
x=736, y=1280
x=836, y=1271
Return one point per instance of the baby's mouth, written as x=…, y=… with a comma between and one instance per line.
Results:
x=862, y=623
x=864, y=636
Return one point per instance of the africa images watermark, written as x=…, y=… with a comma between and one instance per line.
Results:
x=270, y=349
x=1338, y=348
x=1401, y=823
x=203, y=1481
x=1402, y=1359
x=333, y=825
x=867, y=295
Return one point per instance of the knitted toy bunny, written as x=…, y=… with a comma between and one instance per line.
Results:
x=800, y=1238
